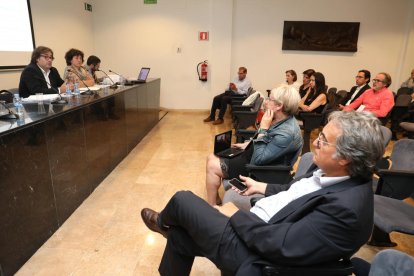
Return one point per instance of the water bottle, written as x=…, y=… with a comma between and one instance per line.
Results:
x=68, y=91
x=76, y=89
x=17, y=101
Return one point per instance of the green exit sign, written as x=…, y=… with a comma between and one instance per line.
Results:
x=88, y=7
x=150, y=1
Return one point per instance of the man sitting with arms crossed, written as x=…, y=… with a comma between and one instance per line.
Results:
x=362, y=80
x=319, y=218
x=239, y=86
x=378, y=100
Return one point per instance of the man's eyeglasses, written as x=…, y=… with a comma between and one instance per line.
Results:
x=377, y=80
x=47, y=57
x=322, y=140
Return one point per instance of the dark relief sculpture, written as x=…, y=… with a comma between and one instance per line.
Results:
x=320, y=36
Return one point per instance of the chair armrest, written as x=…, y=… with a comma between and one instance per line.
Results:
x=342, y=267
x=271, y=174
x=396, y=184
x=241, y=108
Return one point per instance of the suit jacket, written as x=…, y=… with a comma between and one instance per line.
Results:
x=349, y=95
x=322, y=226
x=32, y=81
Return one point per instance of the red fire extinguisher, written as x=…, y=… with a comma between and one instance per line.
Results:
x=202, y=70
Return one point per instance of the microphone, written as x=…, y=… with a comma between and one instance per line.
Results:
x=120, y=76
x=87, y=92
x=61, y=100
x=11, y=114
x=114, y=85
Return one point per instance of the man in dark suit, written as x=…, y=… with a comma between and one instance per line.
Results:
x=39, y=76
x=319, y=218
x=362, y=80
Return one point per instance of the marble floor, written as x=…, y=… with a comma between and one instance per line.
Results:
x=106, y=236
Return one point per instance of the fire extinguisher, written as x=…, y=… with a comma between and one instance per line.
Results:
x=202, y=70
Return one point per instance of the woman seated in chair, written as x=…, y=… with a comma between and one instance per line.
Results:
x=276, y=142
x=315, y=98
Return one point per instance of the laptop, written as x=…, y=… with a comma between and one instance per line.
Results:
x=142, y=76
x=222, y=146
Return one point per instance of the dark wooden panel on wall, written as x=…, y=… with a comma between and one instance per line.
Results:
x=320, y=36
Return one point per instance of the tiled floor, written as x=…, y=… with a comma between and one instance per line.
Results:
x=105, y=235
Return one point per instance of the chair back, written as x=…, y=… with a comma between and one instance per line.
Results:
x=402, y=100
x=342, y=93
x=404, y=90
x=304, y=164
x=402, y=155
x=386, y=135
x=257, y=104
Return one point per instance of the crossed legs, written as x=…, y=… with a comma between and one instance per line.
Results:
x=197, y=229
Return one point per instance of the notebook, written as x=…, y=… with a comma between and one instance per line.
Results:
x=142, y=76
x=222, y=146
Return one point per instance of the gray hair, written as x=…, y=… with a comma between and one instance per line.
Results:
x=361, y=141
x=288, y=96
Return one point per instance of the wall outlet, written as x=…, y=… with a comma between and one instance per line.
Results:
x=88, y=7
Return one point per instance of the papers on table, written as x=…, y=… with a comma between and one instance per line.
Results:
x=45, y=97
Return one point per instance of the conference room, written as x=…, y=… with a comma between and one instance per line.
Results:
x=76, y=175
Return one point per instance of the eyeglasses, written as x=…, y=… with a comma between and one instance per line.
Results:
x=322, y=140
x=377, y=80
x=359, y=77
x=312, y=80
x=47, y=57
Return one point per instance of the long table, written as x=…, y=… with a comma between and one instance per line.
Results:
x=53, y=158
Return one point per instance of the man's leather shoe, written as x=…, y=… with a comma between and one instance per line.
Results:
x=218, y=122
x=150, y=218
x=208, y=119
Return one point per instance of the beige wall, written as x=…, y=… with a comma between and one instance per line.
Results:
x=127, y=35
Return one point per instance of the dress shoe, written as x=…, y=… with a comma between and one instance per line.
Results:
x=207, y=120
x=218, y=122
x=150, y=218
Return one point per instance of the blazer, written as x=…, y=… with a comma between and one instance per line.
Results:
x=349, y=95
x=32, y=81
x=323, y=226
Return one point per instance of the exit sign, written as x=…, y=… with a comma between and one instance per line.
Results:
x=203, y=36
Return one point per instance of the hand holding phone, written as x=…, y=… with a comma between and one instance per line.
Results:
x=238, y=184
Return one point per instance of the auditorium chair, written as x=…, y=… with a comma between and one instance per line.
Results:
x=395, y=183
x=244, y=119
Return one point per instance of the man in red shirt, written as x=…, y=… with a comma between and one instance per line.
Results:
x=378, y=100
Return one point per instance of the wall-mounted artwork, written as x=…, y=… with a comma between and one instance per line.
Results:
x=320, y=36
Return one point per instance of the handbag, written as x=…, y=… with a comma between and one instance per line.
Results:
x=6, y=96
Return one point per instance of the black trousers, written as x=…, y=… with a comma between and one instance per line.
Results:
x=220, y=102
x=197, y=229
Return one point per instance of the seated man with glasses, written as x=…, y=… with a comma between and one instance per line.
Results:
x=378, y=100
x=39, y=76
x=322, y=217
x=362, y=80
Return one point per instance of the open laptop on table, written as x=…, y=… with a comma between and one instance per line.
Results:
x=142, y=76
x=222, y=146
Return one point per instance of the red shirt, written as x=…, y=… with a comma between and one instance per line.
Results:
x=378, y=102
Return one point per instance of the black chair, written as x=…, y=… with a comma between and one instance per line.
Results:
x=391, y=215
x=404, y=90
x=400, y=111
x=238, y=99
x=274, y=174
x=409, y=128
x=244, y=119
x=395, y=183
x=342, y=93
x=311, y=121
x=341, y=267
